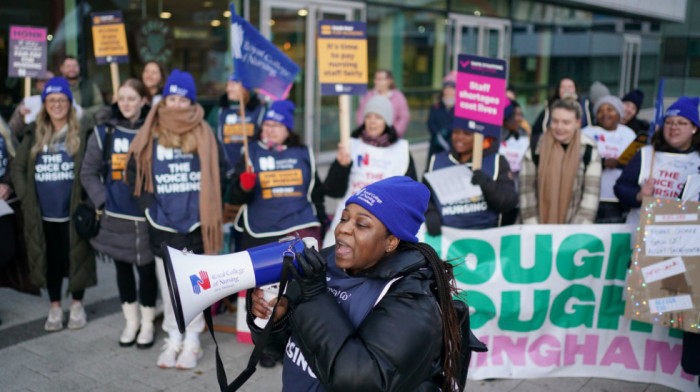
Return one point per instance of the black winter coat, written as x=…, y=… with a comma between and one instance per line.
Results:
x=398, y=346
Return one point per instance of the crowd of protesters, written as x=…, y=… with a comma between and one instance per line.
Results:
x=156, y=169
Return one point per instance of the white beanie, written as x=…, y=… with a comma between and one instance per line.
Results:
x=612, y=101
x=380, y=105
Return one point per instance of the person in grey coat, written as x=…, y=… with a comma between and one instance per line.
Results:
x=123, y=235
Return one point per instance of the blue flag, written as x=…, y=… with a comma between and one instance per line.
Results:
x=658, y=110
x=257, y=63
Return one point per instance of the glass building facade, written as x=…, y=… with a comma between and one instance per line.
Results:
x=418, y=40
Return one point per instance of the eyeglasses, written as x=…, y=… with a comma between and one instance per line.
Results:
x=677, y=124
x=57, y=101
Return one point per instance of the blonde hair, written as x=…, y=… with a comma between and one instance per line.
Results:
x=187, y=142
x=7, y=135
x=45, y=135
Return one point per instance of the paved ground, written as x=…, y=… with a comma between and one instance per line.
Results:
x=91, y=359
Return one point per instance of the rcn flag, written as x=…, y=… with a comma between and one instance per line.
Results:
x=257, y=63
x=658, y=119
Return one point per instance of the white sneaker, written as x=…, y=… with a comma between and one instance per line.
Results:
x=168, y=353
x=77, y=318
x=55, y=320
x=191, y=353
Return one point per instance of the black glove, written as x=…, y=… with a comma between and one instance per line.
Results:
x=433, y=222
x=314, y=267
x=480, y=178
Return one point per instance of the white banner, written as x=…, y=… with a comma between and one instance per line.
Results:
x=548, y=300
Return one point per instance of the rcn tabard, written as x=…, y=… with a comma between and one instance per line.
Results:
x=549, y=301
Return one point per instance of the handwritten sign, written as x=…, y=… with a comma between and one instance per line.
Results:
x=27, y=55
x=109, y=37
x=480, y=98
x=663, y=284
x=342, y=57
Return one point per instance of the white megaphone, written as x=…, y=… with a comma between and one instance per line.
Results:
x=197, y=281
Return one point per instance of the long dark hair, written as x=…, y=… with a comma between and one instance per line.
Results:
x=451, y=330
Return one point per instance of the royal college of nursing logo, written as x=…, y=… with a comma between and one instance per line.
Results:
x=200, y=282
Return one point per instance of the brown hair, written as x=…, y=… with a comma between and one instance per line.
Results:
x=45, y=135
x=163, y=77
x=137, y=85
x=567, y=104
x=390, y=75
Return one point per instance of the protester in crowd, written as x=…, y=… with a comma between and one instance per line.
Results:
x=176, y=170
x=45, y=175
x=8, y=199
x=441, y=116
x=566, y=89
x=153, y=76
x=85, y=93
x=612, y=139
x=385, y=85
x=632, y=102
x=661, y=169
x=514, y=139
x=560, y=175
x=225, y=118
x=394, y=328
x=28, y=108
x=481, y=209
x=597, y=91
x=512, y=95
x=376, y=152
x=281, y=190
x=123, y=235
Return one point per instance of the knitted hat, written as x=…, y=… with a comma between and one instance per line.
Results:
x=233, y=78
x=380, y=105
x=610, y=100
x=450, y=79
x=686, y=107
x=57, y=84
x=180, y=83
x=598, y=90
x=282, y=112
x=636, y=97
x=398, y=202
x=509, y=110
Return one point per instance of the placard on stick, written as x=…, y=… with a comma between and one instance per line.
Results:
x=27, y=55
x=663, y=286
x=109, y=37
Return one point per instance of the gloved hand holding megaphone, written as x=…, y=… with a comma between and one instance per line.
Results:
x=197, y=281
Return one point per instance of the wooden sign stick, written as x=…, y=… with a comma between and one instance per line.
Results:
x=244, y=132
x=477, y=151
x=27, y=86
x=344, y=115
x=114, y=71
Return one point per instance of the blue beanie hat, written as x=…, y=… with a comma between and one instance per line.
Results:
x=636, y=97
x=686, y=107
x=282, y=112
x=233, y=78
x=398, y=202
x=180, y=83
x=57, y=84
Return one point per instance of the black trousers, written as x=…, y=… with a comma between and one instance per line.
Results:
x=58, y=259
x=126, y=282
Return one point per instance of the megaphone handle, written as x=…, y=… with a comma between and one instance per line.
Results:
x=288, y=262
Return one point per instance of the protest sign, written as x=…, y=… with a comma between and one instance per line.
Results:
x=664, y=279
x=257, y=63
x=342, y=57
x=27, y=55
x=481, y=94
x=691, y=192
x=109, y=37
x=548, y=300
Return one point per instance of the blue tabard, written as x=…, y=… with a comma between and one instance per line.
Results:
x=281, y=200
x=4, y=156
x=471, y=213
x=119, y=202
x=357, y=297
x=53, y=175
x=229, y=130
x=176, y=181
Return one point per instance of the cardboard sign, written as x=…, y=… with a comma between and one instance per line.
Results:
x=342, y=57
x=257, y=62
x=27, y=55
x=481, y=94
x=109, y=37
x=663, y=286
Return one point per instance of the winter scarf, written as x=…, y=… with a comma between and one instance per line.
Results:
x=181, y=121
x=556, y=173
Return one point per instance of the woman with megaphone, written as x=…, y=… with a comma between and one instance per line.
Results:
x=176, y=168
x=376, y=311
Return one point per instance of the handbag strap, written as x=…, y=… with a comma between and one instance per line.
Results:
x=260, y=344
x=107, y=151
